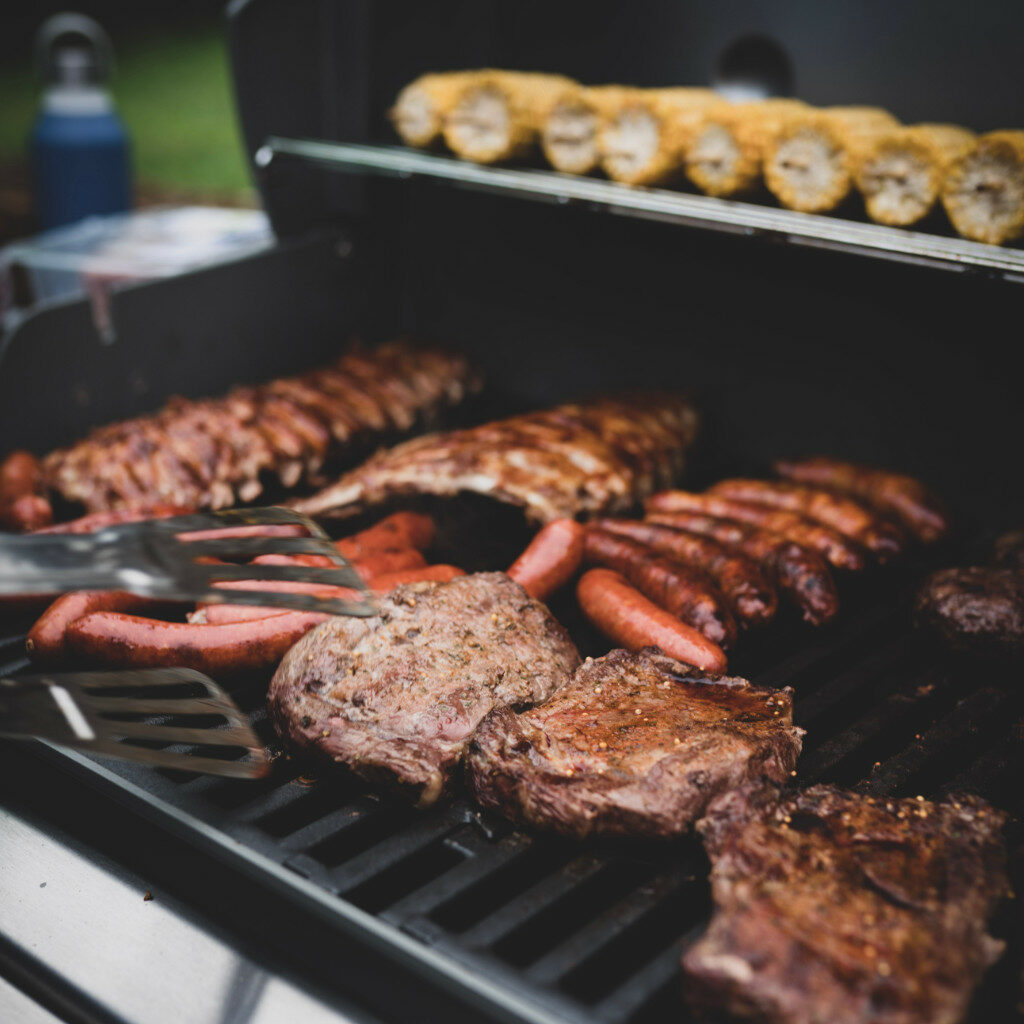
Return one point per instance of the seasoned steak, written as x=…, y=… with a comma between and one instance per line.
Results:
x=837, y=908
x=634, y=745
x=398, y=696
x=976, y=609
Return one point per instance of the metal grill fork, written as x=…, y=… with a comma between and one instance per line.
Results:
x=179, y=558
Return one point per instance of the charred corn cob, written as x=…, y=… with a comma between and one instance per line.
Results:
x=984, y=189
x=724, y=154
x=421, y=107
x=900, y=172
x=810, y=162
x=498, y=115
x=570, y=134
x=639, y=140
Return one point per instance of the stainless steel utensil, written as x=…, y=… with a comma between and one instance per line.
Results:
x=167, y=717
x=161, y=558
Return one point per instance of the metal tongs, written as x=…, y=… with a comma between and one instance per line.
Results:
x=140, y=715
x=176, y=558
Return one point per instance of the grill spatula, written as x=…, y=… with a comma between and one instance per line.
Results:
x=141, y=715
x=175, y=558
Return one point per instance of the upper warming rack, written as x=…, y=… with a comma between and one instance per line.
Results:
x=743, y=218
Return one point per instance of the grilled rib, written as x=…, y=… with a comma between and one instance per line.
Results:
x=215, y=452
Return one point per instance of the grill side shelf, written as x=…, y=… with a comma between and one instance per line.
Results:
x=744, y=218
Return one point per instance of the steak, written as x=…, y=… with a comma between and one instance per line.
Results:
x=977, y=609
x=397, y=697
x=575, y=459
x=837, y=908
x=634, y=745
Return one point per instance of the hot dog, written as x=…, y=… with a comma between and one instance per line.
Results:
x=850, y=517
x=46, y=643
x=800, y=573
x=98, y=520
x=838, y=550
x=626, y=617
x=23, y=505
x=215, y=614
x=550, y=559
x=752, y=598
x=432, y=573
x=131, y=641
x=894, y=494
x=401, y=530
x=683, y=591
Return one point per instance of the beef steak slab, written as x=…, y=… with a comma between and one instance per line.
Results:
x=634, y=745
x=837, y=908
x=398, y=696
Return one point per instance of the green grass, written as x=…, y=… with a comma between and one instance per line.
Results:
x=174, y=93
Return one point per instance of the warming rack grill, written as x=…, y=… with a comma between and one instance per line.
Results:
x=821, y=232
x=541, y=930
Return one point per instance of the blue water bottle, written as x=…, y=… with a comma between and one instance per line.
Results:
x=80, y=158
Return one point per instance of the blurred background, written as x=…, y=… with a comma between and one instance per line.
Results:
x=171, y=86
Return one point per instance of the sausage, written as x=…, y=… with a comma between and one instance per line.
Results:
x=626, y=617
x=46, y=639
x=551, y=559
x=683, y=591
x=130, y=641
x=799, y=572
x=838, y=550
x=401, y=530
x=23, y=504
x=370, y=564
x=215, y=614
x=850, y=517
x=893, y=494
x=433, y=573
x=26, y=513
x=98, y=520
x=752, y=598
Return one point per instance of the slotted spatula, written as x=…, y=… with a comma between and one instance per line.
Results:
x=140, y=715
x=175, y=558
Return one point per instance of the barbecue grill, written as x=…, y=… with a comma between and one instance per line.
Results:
x=801, y=334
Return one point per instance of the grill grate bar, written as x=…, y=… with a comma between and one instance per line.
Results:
x=646, y=984
x=533, y=901
x=606, y=927
x=978, y=712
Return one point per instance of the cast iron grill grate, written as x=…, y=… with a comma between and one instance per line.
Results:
x=594, y=932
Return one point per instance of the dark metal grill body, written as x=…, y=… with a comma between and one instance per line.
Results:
x=796, y=347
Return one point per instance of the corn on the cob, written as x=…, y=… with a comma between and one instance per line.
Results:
x=900, y=172
x=725, y=154
x=809, y=163
x=984, y=189
x=570, y=134
x=421, y=107
x=498, y=115
x=639, y=140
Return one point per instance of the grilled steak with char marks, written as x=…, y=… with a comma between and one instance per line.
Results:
x=837, y=908
x=634, y=745
x=397, y=697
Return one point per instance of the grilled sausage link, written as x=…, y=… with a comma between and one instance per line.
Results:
x=751, y=596
x=131, y=641
x=23, y=502
x=800, y=573
x=46, y=642
x=850, y=517
x=838, y=550
x=550, y=559
x=892, y=494
x=439, y=573
x=393, y=533
x=680, y=589
x=626, y=617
